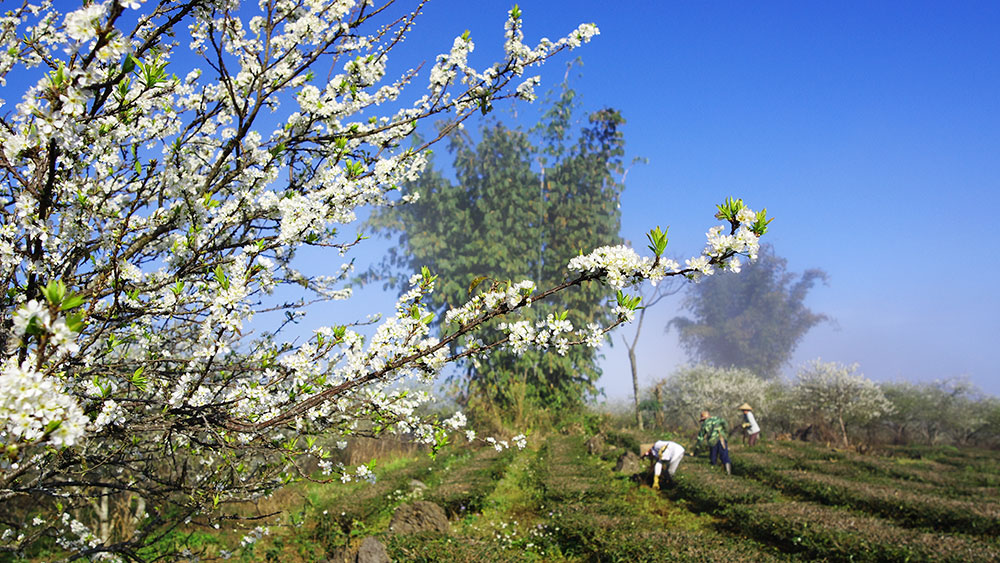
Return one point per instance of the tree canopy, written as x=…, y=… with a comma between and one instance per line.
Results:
x=753, y=320
x=523, y=204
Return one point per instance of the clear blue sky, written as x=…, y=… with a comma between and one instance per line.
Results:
x=870, y=131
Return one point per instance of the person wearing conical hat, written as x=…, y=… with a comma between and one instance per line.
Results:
x=751, y=430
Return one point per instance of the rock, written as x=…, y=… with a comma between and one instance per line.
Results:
x=595, y=444
x=417, y=485
x=628, y=462
x=421, y=516
x=372, y=551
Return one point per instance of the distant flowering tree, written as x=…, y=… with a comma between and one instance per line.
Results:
x=692, y=389
x=147, y=218
x=838, y=393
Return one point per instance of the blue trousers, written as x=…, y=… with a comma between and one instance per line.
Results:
x=719, y=450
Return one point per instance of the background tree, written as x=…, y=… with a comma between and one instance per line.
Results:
x=838, y=394
x=753, y=320
x=523, y=204
x=951, y=410
x=692, y=389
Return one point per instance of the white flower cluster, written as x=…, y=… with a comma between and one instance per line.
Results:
x=254, y=536
x=489, y=301
x=457, y=421
x=361, y=472
x=521, y=55
x=621, y=265
x=33, y=404
x=59, y=334
x=82, y=24
x=743, y=241
x=594, y=335
x=82, y=536
x=498, y=445
x=521, y=441
x=543, y=334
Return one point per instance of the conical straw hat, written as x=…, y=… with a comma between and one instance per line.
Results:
x=744, y=407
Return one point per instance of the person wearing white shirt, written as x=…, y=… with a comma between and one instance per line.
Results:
x=751, y=430
x=664, y=452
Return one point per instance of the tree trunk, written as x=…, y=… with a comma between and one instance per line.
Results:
x=843, y=428
x=635, y=386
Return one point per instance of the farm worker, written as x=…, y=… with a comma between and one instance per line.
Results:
x=664, y=452
x=751, y=431
x=713, y=432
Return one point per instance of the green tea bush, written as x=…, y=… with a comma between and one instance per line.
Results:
x=463, y=489
x=908, y=508
x=712, y=489
x=836, y=534
x=432, y=547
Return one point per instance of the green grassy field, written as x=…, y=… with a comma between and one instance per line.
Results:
x=553, y=502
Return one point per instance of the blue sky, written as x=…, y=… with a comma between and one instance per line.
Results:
x=870, y=131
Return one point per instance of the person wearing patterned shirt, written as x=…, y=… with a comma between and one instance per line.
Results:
x=713, y=433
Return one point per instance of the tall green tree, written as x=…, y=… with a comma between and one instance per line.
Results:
x=523, y=204
x=753, y=320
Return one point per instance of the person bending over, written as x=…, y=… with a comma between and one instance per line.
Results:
x=664, y=452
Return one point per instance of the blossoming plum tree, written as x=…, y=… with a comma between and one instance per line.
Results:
x=838, y=393
x=148, y=216
x=694, y=388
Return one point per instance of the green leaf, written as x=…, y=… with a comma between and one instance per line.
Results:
x=74, y=322
x=128, y=65
x=475, y=282
x=177, y=288
x=71, y=301
x=760, y=225
x=54, y=292
x=220, y=277
x=657, y=240
x=138, y=380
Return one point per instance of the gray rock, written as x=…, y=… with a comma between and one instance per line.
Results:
x=629, y=463
x=595, y=445
x=372, y=551
x=420, y=516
